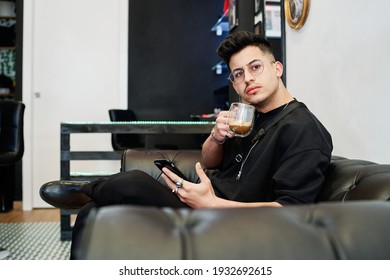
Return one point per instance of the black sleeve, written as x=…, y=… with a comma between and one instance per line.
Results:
x=300, y=178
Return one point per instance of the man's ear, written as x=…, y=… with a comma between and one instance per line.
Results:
x=279, y=68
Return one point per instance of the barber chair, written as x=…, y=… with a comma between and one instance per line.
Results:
x=122, y=142
x=11, y=149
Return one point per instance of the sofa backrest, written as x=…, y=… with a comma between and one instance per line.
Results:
x=355, y=179
x=346, y=179
x=144, y=160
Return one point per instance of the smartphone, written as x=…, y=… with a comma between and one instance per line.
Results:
x=160, y=163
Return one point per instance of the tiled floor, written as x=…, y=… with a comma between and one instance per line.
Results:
x=33, y=241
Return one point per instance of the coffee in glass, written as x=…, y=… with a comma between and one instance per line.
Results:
x=241, y=118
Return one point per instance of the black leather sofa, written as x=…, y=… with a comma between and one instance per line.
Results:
x=349, y=221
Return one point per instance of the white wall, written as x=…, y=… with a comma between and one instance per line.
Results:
x=75, y=56
x=338, y=65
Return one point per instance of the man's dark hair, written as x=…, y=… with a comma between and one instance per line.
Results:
x=235, y=42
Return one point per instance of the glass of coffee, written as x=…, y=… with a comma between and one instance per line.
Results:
x=241, y=118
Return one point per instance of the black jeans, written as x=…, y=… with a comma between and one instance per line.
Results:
x=133, y=187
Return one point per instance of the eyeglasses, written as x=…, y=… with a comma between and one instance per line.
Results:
x=255, y=68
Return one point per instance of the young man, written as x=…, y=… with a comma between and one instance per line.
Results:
x=286, y=166
x=283, y=164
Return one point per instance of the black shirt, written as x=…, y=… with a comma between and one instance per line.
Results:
x=287, y=165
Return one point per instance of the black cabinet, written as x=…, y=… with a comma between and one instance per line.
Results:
x=10, y=49
x=7, y=54
x=11, y=34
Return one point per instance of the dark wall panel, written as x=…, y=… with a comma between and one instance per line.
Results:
x=171, y=53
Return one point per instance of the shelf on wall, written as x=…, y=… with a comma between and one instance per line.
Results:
x=7, y=95
x=220, y=67
x=7, y=57
x=222, y=25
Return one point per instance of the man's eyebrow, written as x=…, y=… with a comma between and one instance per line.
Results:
x=236, y=69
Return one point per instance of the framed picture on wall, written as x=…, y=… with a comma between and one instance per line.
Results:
x=273, y=23
x=233, y=21
x=296, y=12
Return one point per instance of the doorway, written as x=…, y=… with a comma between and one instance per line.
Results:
x=74, y=69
